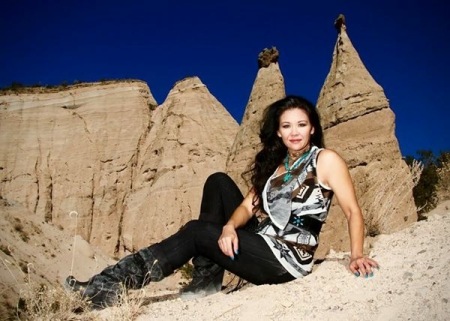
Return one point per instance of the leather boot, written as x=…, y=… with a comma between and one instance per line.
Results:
x=206, y=280
x=131, y=272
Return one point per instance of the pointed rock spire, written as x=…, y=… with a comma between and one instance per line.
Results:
x=348, y=82
x=190, y=139
x=359, y=124
x=339, y=22
x=267, y=88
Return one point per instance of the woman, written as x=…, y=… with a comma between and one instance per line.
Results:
x=293, y=181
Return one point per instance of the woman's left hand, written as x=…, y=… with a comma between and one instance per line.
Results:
x=362, y=266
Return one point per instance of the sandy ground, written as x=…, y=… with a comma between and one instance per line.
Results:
x=411, y=284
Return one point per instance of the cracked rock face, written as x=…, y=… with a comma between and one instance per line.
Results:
x=190, y=138
x=74, y=150
x=98, y=149
x=267, y=88
x=360, y=126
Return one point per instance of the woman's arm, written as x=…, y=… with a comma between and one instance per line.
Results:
x=228, y=241
x=333, y=172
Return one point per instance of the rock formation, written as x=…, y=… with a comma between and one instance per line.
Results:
x=93, y=149
x=359, y=124
x=190, y=139
x=74, y=150
x=267, y=88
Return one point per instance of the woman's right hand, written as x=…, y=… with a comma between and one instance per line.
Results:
x=228, y=241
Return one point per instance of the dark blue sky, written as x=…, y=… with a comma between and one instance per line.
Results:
x=405, y=45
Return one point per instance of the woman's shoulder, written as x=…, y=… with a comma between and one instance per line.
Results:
x=328, y=157
x=329, y=166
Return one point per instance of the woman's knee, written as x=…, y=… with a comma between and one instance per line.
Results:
x=202, y=229
x=192, y=226
x=217, y=179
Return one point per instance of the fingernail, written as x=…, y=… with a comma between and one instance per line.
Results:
x=371, y=274
x=232, y=257
x=366, y=276
x=236, y=252
x=356, y=273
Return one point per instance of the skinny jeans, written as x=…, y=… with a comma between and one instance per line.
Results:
x=255, y=262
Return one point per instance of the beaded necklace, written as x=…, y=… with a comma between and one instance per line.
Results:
x=296, y=164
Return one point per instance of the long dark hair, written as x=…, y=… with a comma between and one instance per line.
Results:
x=273, y=150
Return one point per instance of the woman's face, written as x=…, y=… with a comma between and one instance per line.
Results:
x=295, y=130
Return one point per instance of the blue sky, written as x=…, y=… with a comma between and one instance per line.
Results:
x=405, y=45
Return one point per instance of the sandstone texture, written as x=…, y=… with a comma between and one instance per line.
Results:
x=359, y=124
x=190, y=137
x=267, y=88
x=74, y=150
x=99, y=150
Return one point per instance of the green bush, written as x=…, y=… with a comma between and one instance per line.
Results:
x=426, y=191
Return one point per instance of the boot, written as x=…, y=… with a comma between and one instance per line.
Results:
x=206, y=280
x=131, y=272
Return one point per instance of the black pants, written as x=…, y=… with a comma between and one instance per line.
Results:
x=255, y=262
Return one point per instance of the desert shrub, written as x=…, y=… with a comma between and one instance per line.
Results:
x=129, y=306
x=443, y=172
x=41, y=302
x=434, y=179
x=15, y=86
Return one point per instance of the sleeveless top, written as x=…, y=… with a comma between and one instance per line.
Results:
x=296, y=210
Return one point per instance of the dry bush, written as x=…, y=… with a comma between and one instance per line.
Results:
x=386, y=200
x=41, y=302
x=39, y=299
x=129, y=306
x=53, y=302
x=443, y=185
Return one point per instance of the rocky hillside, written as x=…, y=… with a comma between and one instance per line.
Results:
x=103, y=150
x=189, y=138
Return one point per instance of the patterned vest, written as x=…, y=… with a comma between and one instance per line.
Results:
x=296, y=210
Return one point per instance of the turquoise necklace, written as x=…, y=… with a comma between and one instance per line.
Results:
x=296, y=164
